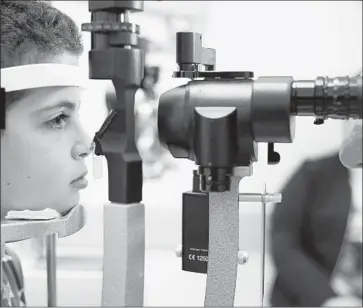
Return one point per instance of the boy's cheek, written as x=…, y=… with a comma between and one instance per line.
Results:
x=36, y=184
x=37, y=170
x=38, y=193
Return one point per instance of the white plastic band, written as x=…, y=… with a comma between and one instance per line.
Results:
x=32, y=76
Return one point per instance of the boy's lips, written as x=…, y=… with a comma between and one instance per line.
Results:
x=81, y=182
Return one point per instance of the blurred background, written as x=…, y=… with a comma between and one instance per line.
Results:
x=303, y=39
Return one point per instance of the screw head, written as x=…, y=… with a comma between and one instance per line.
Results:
x=242, y=257
x=272, y=198
x=179, y=251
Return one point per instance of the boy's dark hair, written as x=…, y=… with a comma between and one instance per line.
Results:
x=32, y=31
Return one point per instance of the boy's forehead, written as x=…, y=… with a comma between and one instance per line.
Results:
x=48, y=97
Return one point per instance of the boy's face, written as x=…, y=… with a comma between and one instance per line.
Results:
x=43, y=150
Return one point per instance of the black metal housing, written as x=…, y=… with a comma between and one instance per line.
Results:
x=195, y=229
x=217, y=121
x=114, y=55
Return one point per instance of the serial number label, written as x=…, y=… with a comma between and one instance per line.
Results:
x=194, y=257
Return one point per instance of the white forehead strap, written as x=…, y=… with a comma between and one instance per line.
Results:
x=34, y=76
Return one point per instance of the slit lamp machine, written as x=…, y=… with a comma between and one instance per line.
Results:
x=215, y=120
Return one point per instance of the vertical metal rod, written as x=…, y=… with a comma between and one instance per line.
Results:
x=51, y=269
x=263, y=248
x=263, y=251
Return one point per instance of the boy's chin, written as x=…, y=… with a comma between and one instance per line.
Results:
x=66, y=205
x=65, y=208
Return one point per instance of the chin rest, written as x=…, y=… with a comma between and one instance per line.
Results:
x=20, y=230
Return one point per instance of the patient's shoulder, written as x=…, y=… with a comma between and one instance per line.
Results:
x=11, y=255
x=13, y=258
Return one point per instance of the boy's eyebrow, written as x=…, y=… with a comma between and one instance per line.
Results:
x=64, y=103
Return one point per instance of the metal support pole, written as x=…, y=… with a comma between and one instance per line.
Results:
x=124, y=255
x=51, y=269
x=263, y=235
x=223, y=247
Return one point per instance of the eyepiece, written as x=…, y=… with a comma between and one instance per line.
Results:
x=335, y=98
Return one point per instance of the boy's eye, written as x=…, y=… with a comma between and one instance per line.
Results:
x=59, y=122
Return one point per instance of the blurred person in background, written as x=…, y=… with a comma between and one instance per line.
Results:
x=316, y=234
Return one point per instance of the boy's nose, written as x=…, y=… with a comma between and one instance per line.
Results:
x=83, y=147
x=81, y=150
